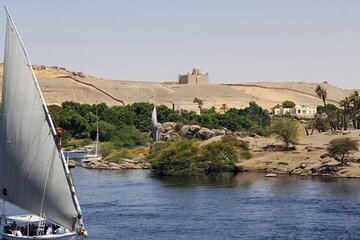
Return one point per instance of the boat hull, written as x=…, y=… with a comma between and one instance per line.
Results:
x=72, y=235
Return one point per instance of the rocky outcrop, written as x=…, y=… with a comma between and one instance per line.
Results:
x=170, y=131
x=122, y=164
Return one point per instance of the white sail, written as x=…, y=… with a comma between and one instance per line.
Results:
x=154, y=125
x=33, y=173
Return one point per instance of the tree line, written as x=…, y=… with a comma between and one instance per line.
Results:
x=128, y=125
x=331, y=117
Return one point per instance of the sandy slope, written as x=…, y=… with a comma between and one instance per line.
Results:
x=59, y=85
x=287, y=161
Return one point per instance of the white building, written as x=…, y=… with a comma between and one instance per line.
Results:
x=305, y=111
x=279, y=111
x=300, y=111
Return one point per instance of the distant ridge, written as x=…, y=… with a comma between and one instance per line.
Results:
x=91, y=85
x=279, y=88
x=59, y=85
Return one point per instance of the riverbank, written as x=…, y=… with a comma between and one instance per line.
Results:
x=310, y=157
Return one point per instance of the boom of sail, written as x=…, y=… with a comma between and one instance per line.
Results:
x=33, y=170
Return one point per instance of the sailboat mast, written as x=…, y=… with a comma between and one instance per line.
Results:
x=49, y=121
x=97, y=136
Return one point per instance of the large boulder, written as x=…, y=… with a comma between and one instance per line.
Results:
x=161, y=128
x=205, y=134
x=169, y=126
x=185, y=131
x=194, y=129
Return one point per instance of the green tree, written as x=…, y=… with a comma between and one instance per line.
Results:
x=99, y=109
x=106, y=131
x=189, y=115
x=286, y=130
x=143, y=113
x=179, y=159
x=74, y=123
x=119, y=116
x=257, y=114
x=128, y=136
x=71, y=106
x=342, y=147
x=166, y=114
x=288, y=104
x=209, y=120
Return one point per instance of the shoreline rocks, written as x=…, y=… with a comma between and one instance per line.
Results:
x=122, y=164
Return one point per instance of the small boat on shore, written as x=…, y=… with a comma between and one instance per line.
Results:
x=96, y=156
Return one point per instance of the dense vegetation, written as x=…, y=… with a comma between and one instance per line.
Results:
x=128, y=125
x=186, y=157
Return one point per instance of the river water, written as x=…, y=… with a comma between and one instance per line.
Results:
x=132, y=204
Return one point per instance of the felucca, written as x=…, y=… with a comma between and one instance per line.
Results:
x=33, y=170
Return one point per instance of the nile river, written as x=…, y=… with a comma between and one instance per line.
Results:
x=134, y=205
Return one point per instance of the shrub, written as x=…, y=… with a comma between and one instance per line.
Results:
x=106, y=148
x=157, y=146
x=76, y=142
x=118, y=155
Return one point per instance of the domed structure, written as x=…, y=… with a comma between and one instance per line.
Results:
x=196, y=71
x=196, y=77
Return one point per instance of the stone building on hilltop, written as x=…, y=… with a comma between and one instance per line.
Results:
x=196, y=77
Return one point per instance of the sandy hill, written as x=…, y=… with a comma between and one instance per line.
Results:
x=59, y=85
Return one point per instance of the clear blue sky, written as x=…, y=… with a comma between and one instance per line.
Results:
x=234, y=40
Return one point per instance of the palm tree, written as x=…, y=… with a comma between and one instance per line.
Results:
x=355, y=108
x=345, y=103
x=199, y=102
x=321, y=93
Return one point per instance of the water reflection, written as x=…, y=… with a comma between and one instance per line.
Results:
x=283, y=185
